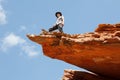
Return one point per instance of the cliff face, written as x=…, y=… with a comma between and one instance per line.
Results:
x=98, y=52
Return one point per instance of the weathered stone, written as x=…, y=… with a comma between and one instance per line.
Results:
x=98, y=52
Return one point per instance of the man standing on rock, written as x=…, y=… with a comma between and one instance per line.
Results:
x=59, y=23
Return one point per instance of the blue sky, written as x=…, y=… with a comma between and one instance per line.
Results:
x=21, y=59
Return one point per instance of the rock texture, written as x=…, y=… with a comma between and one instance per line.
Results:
x=98, y=52
x=79, y=75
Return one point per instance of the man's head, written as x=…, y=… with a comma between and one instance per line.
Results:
x=58, y=14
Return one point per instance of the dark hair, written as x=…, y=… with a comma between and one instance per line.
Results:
x=58, y=13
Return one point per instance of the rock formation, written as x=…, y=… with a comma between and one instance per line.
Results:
x=79, y=75
x=98, y=52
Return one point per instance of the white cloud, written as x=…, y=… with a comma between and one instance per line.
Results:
x=29, y=50
x=2, y=14
x=12, y=40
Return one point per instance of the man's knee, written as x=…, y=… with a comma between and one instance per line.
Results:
x=53, y=28
x=50, y=29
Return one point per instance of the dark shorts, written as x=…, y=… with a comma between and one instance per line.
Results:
x=59, y=27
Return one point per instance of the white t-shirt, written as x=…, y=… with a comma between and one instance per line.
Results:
x=60, y=20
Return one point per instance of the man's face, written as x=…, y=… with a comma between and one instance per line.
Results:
x=58, y=15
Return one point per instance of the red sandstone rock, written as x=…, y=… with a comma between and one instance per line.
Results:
x=108, y=28
x=79, y=75
x=98, y=52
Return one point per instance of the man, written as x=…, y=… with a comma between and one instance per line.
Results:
x=59, y=23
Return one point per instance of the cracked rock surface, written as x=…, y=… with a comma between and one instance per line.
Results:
x=98, y=52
